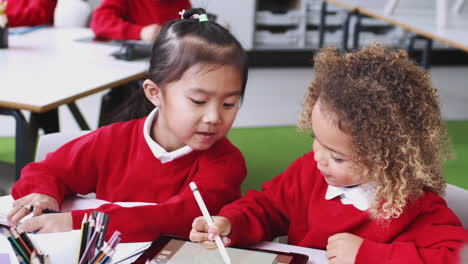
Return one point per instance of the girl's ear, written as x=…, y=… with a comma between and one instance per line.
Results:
x=153, y=92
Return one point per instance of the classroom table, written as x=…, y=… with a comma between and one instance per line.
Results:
x=420, y=18
x=316, y=256
x=50, y=67
x=124, y=250
x=66, y=252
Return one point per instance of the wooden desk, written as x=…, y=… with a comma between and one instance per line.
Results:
x=47, y=68
x=417, y=17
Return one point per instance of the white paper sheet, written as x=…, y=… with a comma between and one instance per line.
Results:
x=6, y=204
x=62, y=247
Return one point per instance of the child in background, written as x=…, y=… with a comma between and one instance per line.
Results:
x=134, y=19
x=30, y=12
x=370, y=190
x=196, y=80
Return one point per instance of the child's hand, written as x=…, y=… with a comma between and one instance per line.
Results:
x=342, y=248
x=150, y=32
x=204, y=234
x=49, y=223
x=40, y=203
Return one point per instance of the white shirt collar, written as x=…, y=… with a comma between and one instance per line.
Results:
x=158, y=151
x=359, y=196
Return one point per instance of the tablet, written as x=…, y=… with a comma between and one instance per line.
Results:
x=175, y=250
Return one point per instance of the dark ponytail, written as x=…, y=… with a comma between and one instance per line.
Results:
x=181, y=44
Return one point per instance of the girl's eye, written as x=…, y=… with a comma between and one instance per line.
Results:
x=337, y=160
x=197, y=102
x=229, y=105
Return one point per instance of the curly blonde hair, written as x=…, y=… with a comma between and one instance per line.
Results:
x=386, y=103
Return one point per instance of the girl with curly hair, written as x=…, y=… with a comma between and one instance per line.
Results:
x=370, y=191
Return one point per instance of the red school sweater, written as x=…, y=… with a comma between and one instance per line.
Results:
x=294, y=203
x=116, y=162
x=30, y=12
x=124, y=19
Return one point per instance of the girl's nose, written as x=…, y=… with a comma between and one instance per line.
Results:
x=212, y=116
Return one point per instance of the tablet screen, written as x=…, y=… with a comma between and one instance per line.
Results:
x=178, y=251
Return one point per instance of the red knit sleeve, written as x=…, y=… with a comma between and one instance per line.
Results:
x=435, y=236
x=30, y=12
x=219, y=183
x=108, y=21
x=264, y=215
x=62, y=172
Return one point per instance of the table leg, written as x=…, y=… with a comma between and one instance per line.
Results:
x=425, y=60
x=356, y=31
x=47, y=121
x=426, y=56
x=78, y=116
x=322, y=25
x=345, y=27
x=21, y=150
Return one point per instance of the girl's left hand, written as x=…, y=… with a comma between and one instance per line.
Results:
x=342, y=248
x=48, y=223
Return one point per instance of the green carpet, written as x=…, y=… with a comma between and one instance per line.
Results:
x=7, y=149
x=269, y=150
x=456, y=169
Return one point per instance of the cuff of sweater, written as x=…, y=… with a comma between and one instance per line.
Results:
x=373, y=252
x=77, y=217
x=236, y=219
x=133, y=32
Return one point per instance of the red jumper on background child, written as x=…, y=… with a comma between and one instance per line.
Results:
x=134, y=19
x=370, y=190
x=196, y=81
x=30, y=12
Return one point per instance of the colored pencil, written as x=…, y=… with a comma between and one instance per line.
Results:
x=15, y=244
x=101, y=254
x=108, y=257
x=21, y=242
x=90, y=245
x=25, y=238
x=84, y=233
x=105, y=221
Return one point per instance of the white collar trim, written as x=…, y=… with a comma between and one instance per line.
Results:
x=158, y=151
x=359, y=196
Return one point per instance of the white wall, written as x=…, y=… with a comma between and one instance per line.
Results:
x=274, y=97
x=237, y=16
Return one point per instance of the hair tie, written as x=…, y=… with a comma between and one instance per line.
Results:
x=203, y=18
x=181, y=14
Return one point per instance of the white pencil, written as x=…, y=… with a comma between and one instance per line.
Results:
x=209, y=221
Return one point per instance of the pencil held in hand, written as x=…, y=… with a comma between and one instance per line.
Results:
x=209, y=221
x=45, y=211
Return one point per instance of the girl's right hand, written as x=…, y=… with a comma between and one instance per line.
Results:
x=205, y=234
x=40, y=203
